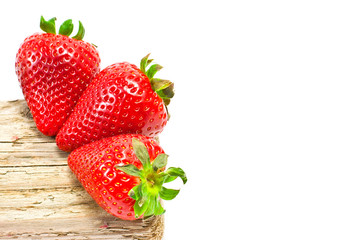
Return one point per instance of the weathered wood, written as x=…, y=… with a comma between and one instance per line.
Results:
x=40, y=198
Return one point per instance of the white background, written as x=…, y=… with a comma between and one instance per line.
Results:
x=265, y=120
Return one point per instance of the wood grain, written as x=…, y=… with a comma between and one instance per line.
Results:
x=40, y=198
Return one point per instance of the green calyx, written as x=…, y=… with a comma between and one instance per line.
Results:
x=164, y=88
x=65, y=29
x=152, y=177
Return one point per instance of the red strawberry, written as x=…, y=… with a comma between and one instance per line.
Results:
x=121, y=99
x=53, y=71
x=125, y=175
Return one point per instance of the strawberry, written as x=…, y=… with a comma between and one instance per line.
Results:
x=121, y=99
x=53, y=71
x=125, y=174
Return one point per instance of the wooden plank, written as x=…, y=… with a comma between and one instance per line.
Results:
x=40, y=198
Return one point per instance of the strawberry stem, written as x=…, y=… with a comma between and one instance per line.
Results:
x=164, y=88
x=65, y=29
x=81, y=32
x=148, y=193
x=48, y=26
x=153, y=69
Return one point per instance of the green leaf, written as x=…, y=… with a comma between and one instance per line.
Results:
x=167, y=92
x=48, y=26
x=136, y=192
x=159, y=84
x=144, y=63
x=148, y=194
x=164, y=88
x=158, y=208
x=66, y=28
x=168, y=194
x=129, y=169
x=160, y=161
x=151, y=206
x=172, y=173
x=150, y=73
x=140, y=194
x=140, y=207
x=141, y=152
x=169, y=178
x=137, y=210
x=81, y=32
x=141, y=191
x=167, y=102
x=148, y=62
x=133, y=193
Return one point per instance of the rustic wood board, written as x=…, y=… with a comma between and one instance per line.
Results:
x=40, y=198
